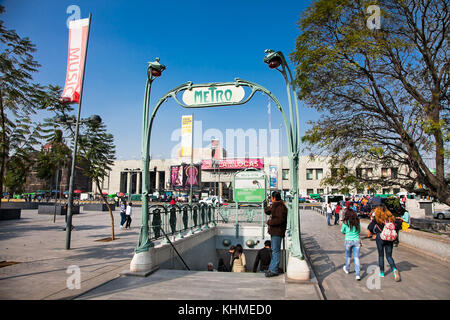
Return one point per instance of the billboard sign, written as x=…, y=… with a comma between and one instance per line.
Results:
x=176, y=177
x=273, y=173
x=235, y=164
x=250, y=186
x=191, y=174
x=186, y=135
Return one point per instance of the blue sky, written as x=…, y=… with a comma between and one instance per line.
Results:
x=198, y=41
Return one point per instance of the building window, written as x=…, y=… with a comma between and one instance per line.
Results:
x=386, y=191
x=309, y=174
x=309, y=191
x=285, y=174
x=319, y=174
x=334, y=191
x=396, y=190
x=384, y=172
x=369, y=172
x=394, y=173
x=358, y=172
x=320, y=191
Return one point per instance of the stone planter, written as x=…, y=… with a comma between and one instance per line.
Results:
x=23, y=205
x=97, y=207
x=9, y=214
x=60, y=209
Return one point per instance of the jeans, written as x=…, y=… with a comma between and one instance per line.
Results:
x=123, y=218
x=336, y=218
x=128, y=222
x=384, y=246
x=276, y=254
x=352, y=246
x=328, y=218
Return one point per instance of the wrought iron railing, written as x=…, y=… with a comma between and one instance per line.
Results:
x=176, y=220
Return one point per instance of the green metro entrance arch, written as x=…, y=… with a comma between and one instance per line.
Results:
x=215, y=95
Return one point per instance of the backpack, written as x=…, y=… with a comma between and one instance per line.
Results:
x=388, y=233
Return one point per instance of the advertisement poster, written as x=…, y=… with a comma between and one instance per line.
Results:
x=176, y=177
x=78, y=37
x=191, y=174
x=233, y=164
x=186, y=135
x=250, y=186
x=273, y=173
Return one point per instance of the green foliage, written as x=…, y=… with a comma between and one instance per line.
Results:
x=20, y=99
x=97, y=149
x=16, y=174
x=383, y=94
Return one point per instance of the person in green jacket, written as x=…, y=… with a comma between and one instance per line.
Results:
x=351, y=227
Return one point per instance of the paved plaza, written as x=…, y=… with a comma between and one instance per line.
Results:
x=38, y=244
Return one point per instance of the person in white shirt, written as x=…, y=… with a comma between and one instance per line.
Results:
x=329, y=213
x=128, y=213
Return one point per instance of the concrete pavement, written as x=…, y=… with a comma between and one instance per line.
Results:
x=38, y=244
x=423, y=277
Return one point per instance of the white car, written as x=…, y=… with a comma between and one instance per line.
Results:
x=442, y=214
x=211, y=200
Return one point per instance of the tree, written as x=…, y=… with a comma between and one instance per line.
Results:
x=19, y=100
x=383, y=93
x=97, y=152
x=51, y=159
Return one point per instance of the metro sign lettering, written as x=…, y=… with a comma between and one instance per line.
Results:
x=213, y=95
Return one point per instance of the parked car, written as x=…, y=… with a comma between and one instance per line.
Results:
x=442, y=214
x=211, y=200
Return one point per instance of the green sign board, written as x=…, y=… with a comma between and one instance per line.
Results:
x=250, y=186
x=213, y=94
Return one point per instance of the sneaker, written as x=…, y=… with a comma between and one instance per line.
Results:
x=358, y=278
x=381, y=274
x=396, y=275
x=270, y=274
x=345, y=269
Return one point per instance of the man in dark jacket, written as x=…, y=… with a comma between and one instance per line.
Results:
x=277, y=228
x=264, y=256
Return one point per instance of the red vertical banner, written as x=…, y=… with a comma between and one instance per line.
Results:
x=78, y=38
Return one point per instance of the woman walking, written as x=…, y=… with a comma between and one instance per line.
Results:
x=123, y=217
x=384, y=227
x=239, y=259
x=351, y=227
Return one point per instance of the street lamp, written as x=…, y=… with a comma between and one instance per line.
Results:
x=142, y=258
x=63, y=119
x=297, y=266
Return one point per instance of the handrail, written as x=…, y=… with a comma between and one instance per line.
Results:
x=179, y=255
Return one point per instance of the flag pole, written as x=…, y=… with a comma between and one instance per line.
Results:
x=74, y=154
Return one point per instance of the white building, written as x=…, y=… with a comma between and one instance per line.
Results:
x=124, y=175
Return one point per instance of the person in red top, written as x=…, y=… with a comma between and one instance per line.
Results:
x=336, y=214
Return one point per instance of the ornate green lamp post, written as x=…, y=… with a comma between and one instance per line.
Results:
x=297, y=268
x=142, y=260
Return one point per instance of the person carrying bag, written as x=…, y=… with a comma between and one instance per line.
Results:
x=384, y=228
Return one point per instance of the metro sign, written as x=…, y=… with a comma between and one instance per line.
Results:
x=213, y=95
